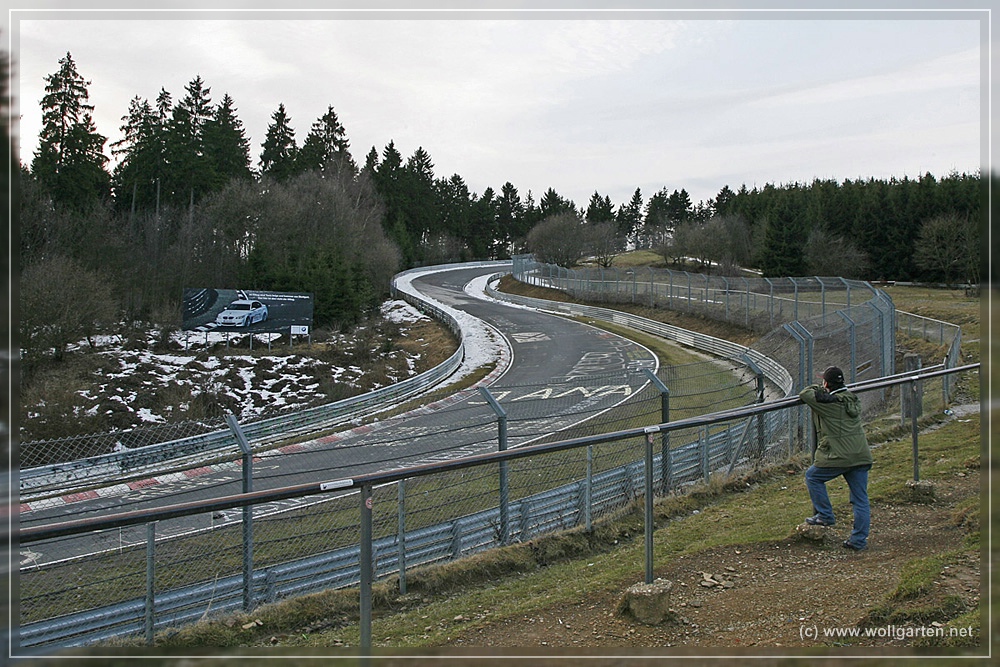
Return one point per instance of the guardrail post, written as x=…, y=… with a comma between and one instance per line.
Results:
x=367, y=574
x=150, y=579
x=665, y=467
x=247, y=453
x=501, y=446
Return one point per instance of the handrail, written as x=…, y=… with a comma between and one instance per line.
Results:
x=165, y=457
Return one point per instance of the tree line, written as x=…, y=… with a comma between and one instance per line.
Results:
x=186, y=205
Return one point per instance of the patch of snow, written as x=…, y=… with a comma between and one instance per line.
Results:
x=146, y=415
x=401, y=312
x=483, y=344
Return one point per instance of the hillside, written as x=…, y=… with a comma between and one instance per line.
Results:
x=559, y=595
x=148, y=378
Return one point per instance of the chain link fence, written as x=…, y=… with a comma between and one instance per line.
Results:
x=137, y=580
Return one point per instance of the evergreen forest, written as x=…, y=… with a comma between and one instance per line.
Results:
x=113, y=233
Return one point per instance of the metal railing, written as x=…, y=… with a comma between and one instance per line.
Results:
x=377, y=557
x=184, y=453
x=718, y=347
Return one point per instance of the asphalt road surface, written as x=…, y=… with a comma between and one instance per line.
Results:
x=561, y=368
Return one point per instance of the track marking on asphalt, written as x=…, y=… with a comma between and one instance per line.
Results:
x=530, y=337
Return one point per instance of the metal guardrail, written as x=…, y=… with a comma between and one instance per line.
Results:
x=58, y=478
x=554, y=509
x=551, y=510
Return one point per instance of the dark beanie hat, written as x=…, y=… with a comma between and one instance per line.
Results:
x=833, y=375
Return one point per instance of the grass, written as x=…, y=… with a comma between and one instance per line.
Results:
x=526, y=577
x=560, y=569
x=328, y=525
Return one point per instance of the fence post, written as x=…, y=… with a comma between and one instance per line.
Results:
x=401, y=534
x=588, y=490
x=725, y=281
x=703, y=446
x=670, y=291
x=802, y=379
x=747, y=283
x=150, y=574
x=853, y=336
x=665, y=436
x=501, y=446
x=795, y=311
x=652, y=290
x=367, y=574
x=770, y=302
x=914, y=431
x=911, y=405
x=247, y=453
x=911, y=402
x=648, y=502
x=757, y=451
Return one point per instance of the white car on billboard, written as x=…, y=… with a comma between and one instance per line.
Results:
x=242, y=313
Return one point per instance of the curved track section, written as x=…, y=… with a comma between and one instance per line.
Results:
x=564, y=370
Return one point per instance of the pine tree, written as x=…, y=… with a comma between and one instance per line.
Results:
x=552, y=203
x=629, y=216
x=784, y=239
x=189, y=171
x=140, y=156
x=657, y=227
x=277, y=160
x=70, y=162
x=420, y=201
x=510, y=217
x=226, y=145
x=600, y=209
x=326, y=145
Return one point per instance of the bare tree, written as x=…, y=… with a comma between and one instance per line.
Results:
x=942, y=246
x=62, y=302
x=558, y=239
x=604, y=242
x=829, y=255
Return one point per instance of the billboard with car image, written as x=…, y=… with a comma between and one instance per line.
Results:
x=246, y=311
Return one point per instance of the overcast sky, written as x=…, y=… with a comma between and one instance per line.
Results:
x=577, y=101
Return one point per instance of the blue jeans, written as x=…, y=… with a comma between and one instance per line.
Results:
x=857, y=481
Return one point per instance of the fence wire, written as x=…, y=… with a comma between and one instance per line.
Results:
x=93, y=587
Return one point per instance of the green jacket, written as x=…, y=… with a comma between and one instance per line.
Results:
x=837, y=418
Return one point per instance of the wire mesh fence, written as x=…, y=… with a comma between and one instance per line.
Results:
x=759, y=304
x=135, y=580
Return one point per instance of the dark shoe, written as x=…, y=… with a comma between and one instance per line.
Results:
x=818, y=521
x=854, y=547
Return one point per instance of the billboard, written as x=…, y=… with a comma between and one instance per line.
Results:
x=246, y=311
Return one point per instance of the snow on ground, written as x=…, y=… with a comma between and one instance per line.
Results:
x=484, y=345
x=137, y=387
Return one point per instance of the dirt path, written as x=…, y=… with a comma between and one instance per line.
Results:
x=778, y=594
